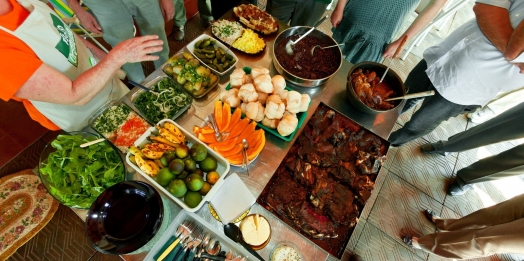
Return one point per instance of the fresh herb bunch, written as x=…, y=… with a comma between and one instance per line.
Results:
x=109, y=121
x=77, y=176
x=166, y=105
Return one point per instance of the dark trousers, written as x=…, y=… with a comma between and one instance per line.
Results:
x=507, y=126
x=433, y=111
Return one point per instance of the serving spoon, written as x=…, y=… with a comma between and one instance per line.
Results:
x=290, y=44
x=413, y=95
x=318, y=46
x=232, y=231
x=402, y=42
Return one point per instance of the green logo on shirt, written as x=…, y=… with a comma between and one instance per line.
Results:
x=66, y=45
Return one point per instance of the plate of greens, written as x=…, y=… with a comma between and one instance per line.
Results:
x=170, y=102
x=77, y=176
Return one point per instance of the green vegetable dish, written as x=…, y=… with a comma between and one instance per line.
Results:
x=169, y=104
x=77, y=176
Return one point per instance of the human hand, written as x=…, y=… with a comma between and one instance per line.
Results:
x=168, y=9
x=137, y=49
x=89, y=21
x=336, y=18
x=390, y=50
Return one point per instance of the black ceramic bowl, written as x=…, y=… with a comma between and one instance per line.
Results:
x=391, y=78
x=124, y=217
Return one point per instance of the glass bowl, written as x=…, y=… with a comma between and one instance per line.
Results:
x=285, y=250
x=76, y=176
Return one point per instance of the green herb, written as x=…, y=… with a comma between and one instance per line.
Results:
x=111, y=118
x=77, y=176
x=164, y=106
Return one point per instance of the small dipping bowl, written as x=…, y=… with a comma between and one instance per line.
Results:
x=285, y=251
x=247, y=220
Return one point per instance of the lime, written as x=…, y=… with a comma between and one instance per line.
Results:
x=192, y=199
x=198, y=152
x=177, y=188
x=182, y=151
x=208, y=164
x=205, y=189
x=194, y=182
x=212, y=177
x=164, y=176
x=198, y=171
x=176, y=166
x=190, y=165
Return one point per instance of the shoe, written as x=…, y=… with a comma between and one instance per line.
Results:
x=409, y=241
x=481, y=115
x=430, y=215
x=454, y=189
x=429, y=148
x=178, y=32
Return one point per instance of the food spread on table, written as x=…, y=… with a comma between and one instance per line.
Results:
x=208, y=52
x=371, y=91
x=232, y=33
x=120, y=125
x=187, y=71
x=170, y=102
x=256, y=19
x=325, y=179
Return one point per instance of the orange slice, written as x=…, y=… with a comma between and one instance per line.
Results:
x=224, y=145
x=218, y=114
x=207, y=138
x=237, y=149
x=235, y=119
x=226, y=116
x=248, y=131
x=238, y=129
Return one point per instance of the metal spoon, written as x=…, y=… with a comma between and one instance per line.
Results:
x=289, y=44
x=213, y=247
x=318, y=46
x=402, y=42
x=245, y=159
x=232, y=231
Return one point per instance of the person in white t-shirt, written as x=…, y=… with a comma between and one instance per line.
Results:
x=470, y=67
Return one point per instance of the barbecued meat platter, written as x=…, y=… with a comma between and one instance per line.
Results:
x=325, y=179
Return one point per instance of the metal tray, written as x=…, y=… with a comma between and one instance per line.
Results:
x=191, y=48
x=105, y=107
x=181, y=87
x=334, y=246
x=150, y=84
x=222, y=166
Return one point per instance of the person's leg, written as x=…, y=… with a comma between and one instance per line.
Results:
x=116, y=21
x=498, y=105
x=282, y=10
x=308, y=13
x=417, y=81
x=473, y=243
x=204, y=9
x=507, y=126
x=179, y=20
x=150, y=21
x=433, y=111
x=501, y=213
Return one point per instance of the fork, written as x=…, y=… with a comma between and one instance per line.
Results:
x=211, y=121
x=184, y=230
x=197, y=233
x=245, y=159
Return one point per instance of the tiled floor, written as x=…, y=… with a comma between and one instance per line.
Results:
x=409, y=182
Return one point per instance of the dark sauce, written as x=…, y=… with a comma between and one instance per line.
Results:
x=120, y=223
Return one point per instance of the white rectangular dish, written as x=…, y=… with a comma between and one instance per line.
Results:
x=225, y=243
x=191, y=48
x=222, y=166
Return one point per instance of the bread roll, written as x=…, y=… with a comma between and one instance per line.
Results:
x=247, y=93
x=255, y=72
x=287, y=125
x=294, y=100
x=231, y=97
x=304, y=103
x=262, y=97
x=237, y=78
x=270, y=123
x=255, y=111
x=283, y=95
x=249, y=79
x=274, y=110
x=274, y=98
x=243, y=106
x=279, y=83
x=263, y=83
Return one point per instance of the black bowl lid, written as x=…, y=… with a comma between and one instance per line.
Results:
x=124, y=217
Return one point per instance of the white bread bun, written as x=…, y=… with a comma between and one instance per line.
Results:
x=289, y=113
x=263, y=83
x=243, y=106
x=247, y=93
x=255, y=72
x=237, y=78
x=287, y=125
x=283, y=95
x=262, y=97
x=249, y=79
x=274, y=98
x=270, y=123
x=274, y=110
x=279, y=83
x=304, y=103
x=294, y=100
x=231, y=97
x=255, y=111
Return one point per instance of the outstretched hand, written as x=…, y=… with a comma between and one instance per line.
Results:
x=89, y=21
x=137, y=49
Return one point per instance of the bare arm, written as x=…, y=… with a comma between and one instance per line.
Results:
x=338, y=13
x=516, y=43
x=495, y=24
x=422, y=20
x=85, y=18
x=49, y=85
x=168, y=9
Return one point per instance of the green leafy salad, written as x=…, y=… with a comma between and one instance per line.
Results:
x=170, y=100
x=77, y=176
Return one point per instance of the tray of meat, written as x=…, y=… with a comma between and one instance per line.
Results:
x=330, y=171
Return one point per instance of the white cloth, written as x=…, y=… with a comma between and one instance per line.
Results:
x=505, y=101
x=467, y=69
x=57, y=46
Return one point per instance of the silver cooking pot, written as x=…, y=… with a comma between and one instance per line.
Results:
x=296, y=79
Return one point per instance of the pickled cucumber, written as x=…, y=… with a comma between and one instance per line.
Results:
x=213, y=56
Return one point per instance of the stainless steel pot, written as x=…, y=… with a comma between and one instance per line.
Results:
x=391, y=78
x=291, y=77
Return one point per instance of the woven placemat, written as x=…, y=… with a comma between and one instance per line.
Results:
x=25, y=208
